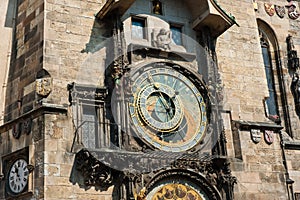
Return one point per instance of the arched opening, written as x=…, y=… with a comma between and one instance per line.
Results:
x=277, y=103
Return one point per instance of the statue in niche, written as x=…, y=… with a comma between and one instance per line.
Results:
x=157, y=7
x=295, y=87
x=162, y=39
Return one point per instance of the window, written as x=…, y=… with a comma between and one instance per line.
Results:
x=94, y=126
x=176, y=31
x=271, y=103
x=277, y=103
x=138, y=28
x=89, y=126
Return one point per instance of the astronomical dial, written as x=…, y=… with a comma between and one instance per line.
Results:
x=167, y=109
x=177, y=189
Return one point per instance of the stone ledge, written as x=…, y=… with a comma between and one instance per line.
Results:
x=292, y=145
x=44, y=108
x=248, y=125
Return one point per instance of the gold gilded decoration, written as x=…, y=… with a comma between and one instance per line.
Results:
x=44, y=86
x=157, y=8
x=270, y=9
x=141, y=195
x=176, y=191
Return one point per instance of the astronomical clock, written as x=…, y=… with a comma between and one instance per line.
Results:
x=162, y=99
x=168, y=108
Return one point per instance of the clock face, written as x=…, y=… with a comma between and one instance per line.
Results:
x=18, y=176
x=167, y=108
x=177, y=190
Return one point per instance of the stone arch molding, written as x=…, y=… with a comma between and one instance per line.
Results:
x=276, y=60
x=205, y=13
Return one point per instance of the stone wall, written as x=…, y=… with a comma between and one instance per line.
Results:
x=74, y=51
x=7, y=8
x=241, y=65
x=33, y=140
x=63, y=38
x=250, y=79
x=293, y=165
x=61, y=178
x=260, y=171
x=26, y=58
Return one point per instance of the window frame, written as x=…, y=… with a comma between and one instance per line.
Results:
x=269, y=71
x=145, y=25
x=177, y=26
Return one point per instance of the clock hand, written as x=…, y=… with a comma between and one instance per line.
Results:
x=156, y=85
x=17, y=171
x=163, y=100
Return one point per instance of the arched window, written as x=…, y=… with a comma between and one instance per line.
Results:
x=276, y=104
x=271, y=101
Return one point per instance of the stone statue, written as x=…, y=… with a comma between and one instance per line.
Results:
x=163, y=39
x=296, y=90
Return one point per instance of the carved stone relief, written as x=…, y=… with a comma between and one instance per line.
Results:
x=94, y=172
x=44, y=86
x=269, y=136
x=255, y=135
x=97, y=171
x=161, y=39
x=292, y=10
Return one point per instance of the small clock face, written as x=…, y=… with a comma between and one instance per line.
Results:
x=18, y=176
x=167, y=109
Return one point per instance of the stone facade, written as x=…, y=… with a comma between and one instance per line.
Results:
x=64, y=62
x=6, y=33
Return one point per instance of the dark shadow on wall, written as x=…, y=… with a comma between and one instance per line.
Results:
x=100, y=35
x=82, y=172
x=102, y=39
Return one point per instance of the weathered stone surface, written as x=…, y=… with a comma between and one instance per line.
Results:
x=64, y=38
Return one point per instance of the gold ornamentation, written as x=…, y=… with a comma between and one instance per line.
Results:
x=141, y=195
x=44, y=86
x=177, y=191
x=157, y=8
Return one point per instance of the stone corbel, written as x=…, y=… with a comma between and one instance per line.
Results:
x=94, y=172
